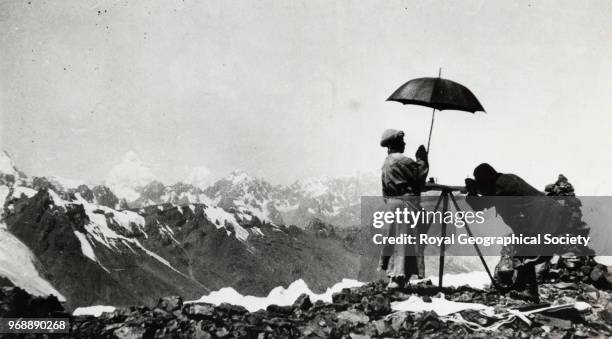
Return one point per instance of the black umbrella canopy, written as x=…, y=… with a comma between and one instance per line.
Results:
x=438, y=93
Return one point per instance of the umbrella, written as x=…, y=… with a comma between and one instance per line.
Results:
x=439, y=94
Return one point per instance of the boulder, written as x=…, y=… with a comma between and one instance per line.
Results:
x=232, y=309
x=283, y=310
x=376, y=306
x=170, y=304
x=353, y=316
x=599, y=277
x=303, y=302
x=199, y=311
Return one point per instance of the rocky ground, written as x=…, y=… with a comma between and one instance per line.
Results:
x=357, y=313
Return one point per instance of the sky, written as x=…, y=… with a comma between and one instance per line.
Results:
x=294, y=89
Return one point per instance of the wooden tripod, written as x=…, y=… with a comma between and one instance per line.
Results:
x=446, y=194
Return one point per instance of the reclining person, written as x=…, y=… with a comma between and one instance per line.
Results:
x=402, y=178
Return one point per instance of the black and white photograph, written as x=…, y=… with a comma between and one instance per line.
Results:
x=305, y=169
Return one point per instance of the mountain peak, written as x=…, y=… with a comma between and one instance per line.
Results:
x=200, y=176
x=7, y=166
x=238, y=176
x=129, y=174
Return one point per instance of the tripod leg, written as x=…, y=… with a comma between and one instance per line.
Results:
x=443, y=245
x=469, y=232
x=440, y=198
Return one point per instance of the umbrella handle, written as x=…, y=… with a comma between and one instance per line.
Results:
x=433, y=115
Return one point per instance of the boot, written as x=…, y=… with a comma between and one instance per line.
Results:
x=396, y=283
x=525, y=286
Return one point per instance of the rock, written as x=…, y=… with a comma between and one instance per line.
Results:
x=232, y=309
x=105, y=196
x=565, y=285
x=345, y=296
x=376, y=306
x=284, y=310
x=353, y=316
x=16, y=302
x=606, y=315
x=170, y=304
x=199, y=333
x=312, y=330
x=199, y=311
x=319, y=304
x=554, y=260
x=368, y=317
x=398, y=320
x=340, y=306
x=222, y=332
x=382, y=327
x=428, y=322
x=599, y=277
x=320, y=229
x=303, y=302
x=129, y=332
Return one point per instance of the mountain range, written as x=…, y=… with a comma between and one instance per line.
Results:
x=90, y=245
x=132, y=184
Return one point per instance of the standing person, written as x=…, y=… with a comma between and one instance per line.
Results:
x=402, y=179
x=530, y=215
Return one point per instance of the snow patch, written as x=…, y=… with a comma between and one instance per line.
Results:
x=475, y=279
x=217, y=214
x=125, y=219
x=17, y=265
x=86, y=246
x=4, y=192
x=286, y=296
x=6, y=165
x=28, y=192
x=278, y=296
x=238, y=176
x=441, y=306
x=314, y=187
x=96, y=311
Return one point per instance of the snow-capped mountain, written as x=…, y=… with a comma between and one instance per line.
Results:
x=156, y=192
x=333, y=200
x=8, y=170
x=243, y=193
x=130, y=174
x=200, y=177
